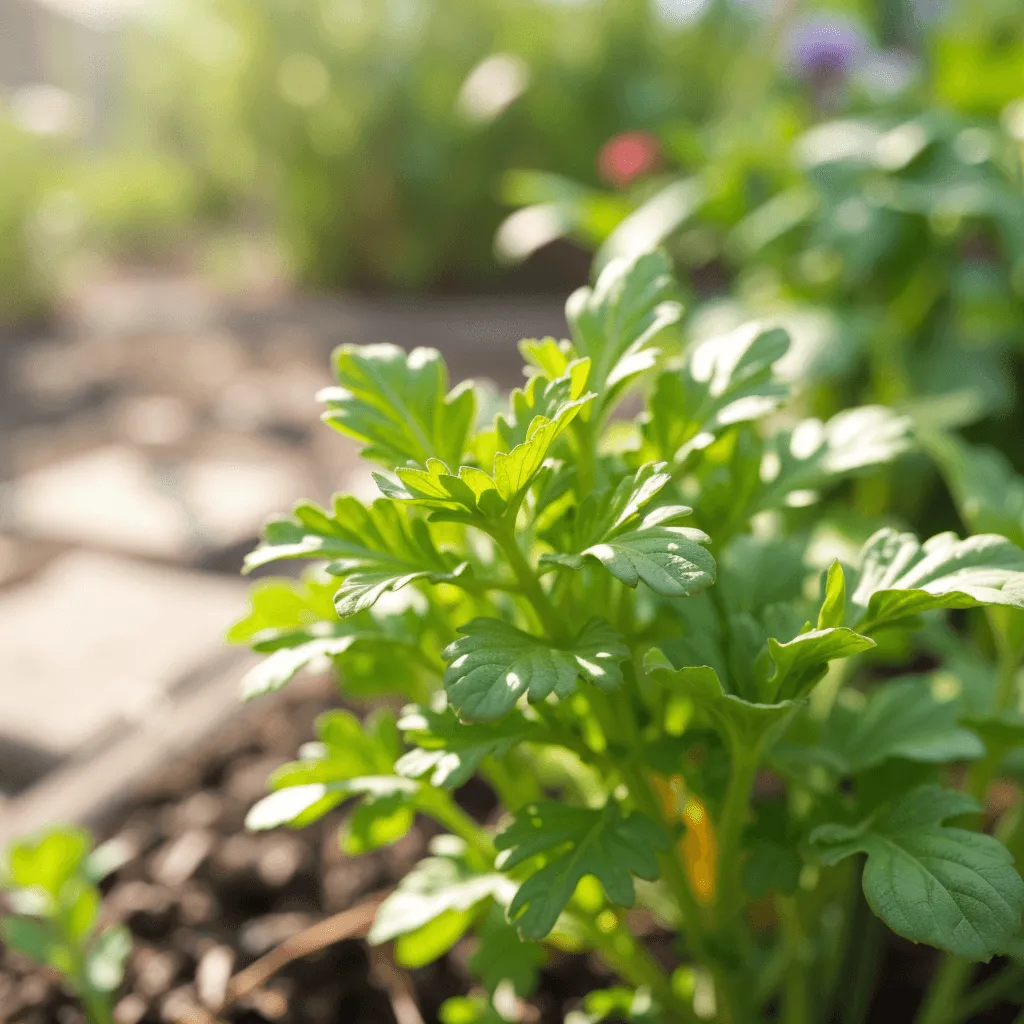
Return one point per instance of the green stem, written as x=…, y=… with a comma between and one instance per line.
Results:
x=796, y=1000
x=856, y=995
x=440, y=806
x=529, y=582
x=940, y=1003
x=999, y=988
x=632, y=962
x=954, y=973
x=730, y=832
x=97, y=1006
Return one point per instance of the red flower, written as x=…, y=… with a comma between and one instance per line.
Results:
x=628, y=156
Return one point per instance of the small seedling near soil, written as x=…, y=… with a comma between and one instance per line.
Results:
x=55, y=919
x=678, y=659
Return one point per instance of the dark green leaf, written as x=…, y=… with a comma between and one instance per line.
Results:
x=989, y=493
x=32, y=938
x=576, y=842
x=948, y=887
x=502, y=956
x=898, y=720
x=494, y=664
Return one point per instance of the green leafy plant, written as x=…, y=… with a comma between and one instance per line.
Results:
x=56, y=920
x=669, y=659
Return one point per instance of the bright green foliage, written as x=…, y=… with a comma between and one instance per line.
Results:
x=576, y=842
x=900, y=576
x=952, y=888
x=495, y=591
x=397, y=405
x=494, y=664
x=436, y=903
x=51, y=881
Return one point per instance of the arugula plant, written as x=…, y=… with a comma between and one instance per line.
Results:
x=632, y=631
x=51, y=882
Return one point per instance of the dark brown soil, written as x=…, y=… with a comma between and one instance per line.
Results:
x=199, y=892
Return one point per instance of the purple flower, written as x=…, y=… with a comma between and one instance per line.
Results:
x=826, y=45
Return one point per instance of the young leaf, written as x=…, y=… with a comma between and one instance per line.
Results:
x=352, y=759
x=577, y=842
x=636, y=1006
x=375, y=548
x=900, y=577
x=433, y=906
x=799, y=463
x=948, y=887
x=107, y=958
x=802, y=663
x=619, y=321
x=48, y=862
x=515, y=469
x=669, y=559
x=450, y=751
x=900, y=719
x=745, y=724
x=30, y=937
x=723, y=381
x=469, y=491
x=833, y=608
x=395, y=404
x=494, y=664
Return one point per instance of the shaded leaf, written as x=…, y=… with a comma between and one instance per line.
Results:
x=797, y=463
x=745, y=724
x=30, y=937
x=948, y=887
x=723, y=381
x=899, y=719
x=576, y=842
x=988, y=491
x=802, y=663
x=502, y=956
x=450, y=751
x=494, y=664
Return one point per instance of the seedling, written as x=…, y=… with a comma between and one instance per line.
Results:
x=51, y=883
x=669, y=659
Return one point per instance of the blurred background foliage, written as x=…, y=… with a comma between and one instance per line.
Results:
x=853, y=168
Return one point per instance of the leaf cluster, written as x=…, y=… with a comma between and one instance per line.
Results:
x=625, y=683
